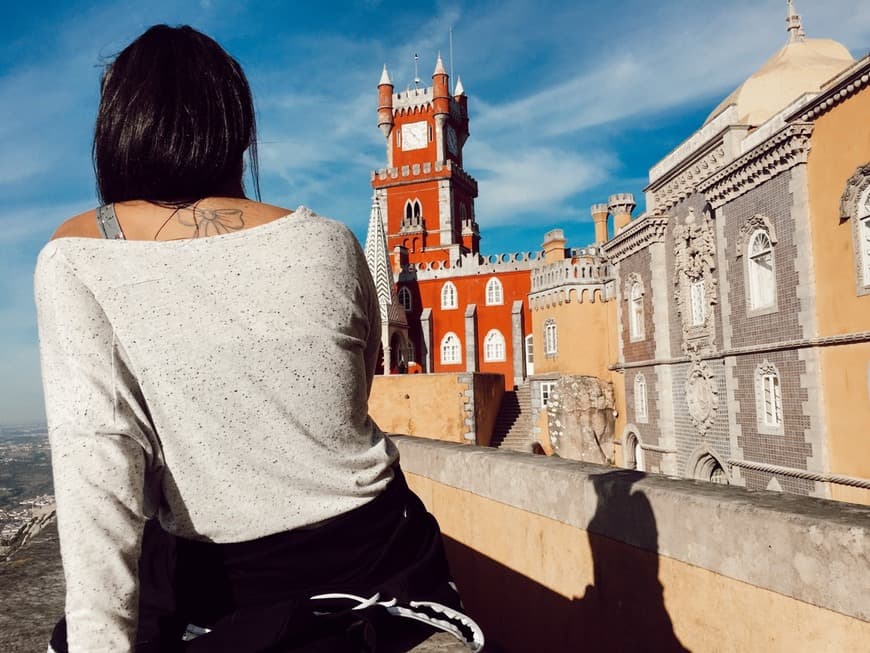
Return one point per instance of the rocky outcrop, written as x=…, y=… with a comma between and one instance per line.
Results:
x=580, y=419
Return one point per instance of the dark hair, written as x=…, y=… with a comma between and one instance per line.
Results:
x=176, y=116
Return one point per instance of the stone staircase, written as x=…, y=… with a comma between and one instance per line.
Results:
x=513, y=426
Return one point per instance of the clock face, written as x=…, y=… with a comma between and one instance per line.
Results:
x=452, y=142
x=415, y=136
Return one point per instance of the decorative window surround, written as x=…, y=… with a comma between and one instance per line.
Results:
x=855, y=206
x=551, y=339
x=494, y=292
x=768, y=399
x=757, y=303
x=451, y=349
x=695, y=281
x=494, y=347
x=449, y=299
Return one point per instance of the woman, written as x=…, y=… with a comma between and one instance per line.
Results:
x=208, y=358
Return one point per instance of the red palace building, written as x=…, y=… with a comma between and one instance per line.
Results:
x=445, y=307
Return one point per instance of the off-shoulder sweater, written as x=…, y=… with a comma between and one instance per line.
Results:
x=221, y=382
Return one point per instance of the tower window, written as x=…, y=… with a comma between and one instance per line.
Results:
x=450, y=349
x=449, y=298
x=405, y=298
x=494, y=292
x=494, y=346
x=551, y=345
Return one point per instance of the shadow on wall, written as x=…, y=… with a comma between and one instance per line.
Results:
x=623, y=611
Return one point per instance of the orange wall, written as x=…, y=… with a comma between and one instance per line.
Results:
x=840, y=143
x=435, y=406
x=472, y=290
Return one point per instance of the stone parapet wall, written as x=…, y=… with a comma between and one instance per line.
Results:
x=552, y=555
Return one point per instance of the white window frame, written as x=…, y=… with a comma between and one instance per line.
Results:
x=551, y=338
x=761, y=282
x=494, y=292
x=698, y=302
x=863, y=237
x=546, y=391
x=636, y=317
x=530, y=355
x=494, y=347
x=768, y=398
x=405, y=298
x=449, y=296
x=641, y=413
x=451, y=349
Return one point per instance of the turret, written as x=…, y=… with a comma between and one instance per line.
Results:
x=385, y=103
x=554, y=246
x=440, y=105
x=621, y=205
x=599, y=217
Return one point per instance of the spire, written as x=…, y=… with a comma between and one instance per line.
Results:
x=793, y=24
x=459, y=90
x=385, y=77
x=439, y=67
x=378, y=258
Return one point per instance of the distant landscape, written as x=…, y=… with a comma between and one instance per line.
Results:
x=25, y=467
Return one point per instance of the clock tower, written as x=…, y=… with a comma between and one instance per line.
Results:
x=427, y=197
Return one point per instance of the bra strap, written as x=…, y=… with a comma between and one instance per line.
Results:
x=107, y=221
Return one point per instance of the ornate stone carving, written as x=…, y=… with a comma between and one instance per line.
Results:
x=580, y=419
x=702, y=396
x=749, y=227
x=636, y=236
x=683, y=184
x=857, y=184
x=782, y=151
x=695, y=261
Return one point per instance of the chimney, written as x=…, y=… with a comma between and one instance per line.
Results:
x=599, y=216
x=621, y=205
x=554, y=246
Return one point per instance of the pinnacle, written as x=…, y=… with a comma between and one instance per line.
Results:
x=439, y=67
x=385, y=77
x=459, y=89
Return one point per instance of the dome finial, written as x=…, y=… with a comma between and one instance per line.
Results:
x=793, y=24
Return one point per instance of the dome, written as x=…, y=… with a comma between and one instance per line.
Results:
x=802, y=66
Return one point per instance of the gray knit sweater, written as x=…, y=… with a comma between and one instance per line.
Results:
x=222, y=382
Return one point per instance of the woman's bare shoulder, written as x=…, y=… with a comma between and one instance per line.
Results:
x=83, y=225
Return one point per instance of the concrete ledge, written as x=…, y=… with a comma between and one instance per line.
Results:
x=812, y=550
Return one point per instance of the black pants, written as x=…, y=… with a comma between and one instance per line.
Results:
x=256, y=595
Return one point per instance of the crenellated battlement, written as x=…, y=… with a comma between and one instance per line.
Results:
x=421, y=170
x=571, y=280
x=470, y=264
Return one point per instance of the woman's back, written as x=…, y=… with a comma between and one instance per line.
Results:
x=253, y=352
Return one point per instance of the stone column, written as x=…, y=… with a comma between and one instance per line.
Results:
x=518, y=341
x=426, y=356
x=471, y=338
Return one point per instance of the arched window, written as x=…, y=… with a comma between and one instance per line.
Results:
x=405, y=298
x=634, y=453
x=635, y=312
x=493, y=346
x=412, y=352
x=413, y=212
x=449, y=297
x=494, y=292
x=768, y=391
x=640, y=407
x=762, y=283
x=551, y=343
x=451, y=349
x=864, y=235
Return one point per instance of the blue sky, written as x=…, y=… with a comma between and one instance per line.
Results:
x=569, y=102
